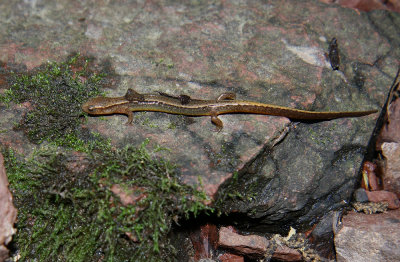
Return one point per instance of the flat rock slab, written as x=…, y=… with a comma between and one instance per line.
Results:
x=391, y=151
x=263, y=51
x=367, y=238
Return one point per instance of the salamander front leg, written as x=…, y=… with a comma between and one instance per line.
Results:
x=130, y=118
x=217, y=122
x=226, y=96
x=127, y=112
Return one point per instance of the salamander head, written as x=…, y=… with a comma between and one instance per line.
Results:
x=103, y=105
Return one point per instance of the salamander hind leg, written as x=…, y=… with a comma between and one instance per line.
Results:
x=226, y=96
x=217, y=122
x=127, y=112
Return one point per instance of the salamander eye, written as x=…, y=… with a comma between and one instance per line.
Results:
x=90, y=108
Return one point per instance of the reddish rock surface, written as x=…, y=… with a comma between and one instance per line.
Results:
x=254, y=246
x=8, y=213
x=128, y=196
x=369, y=238
x=390, y=130
x=391, y=180
x=204, y=241
x=384, y=196
x=388, y=142
x=368, y=5
x=284, y=253
x=227, y=257
x=251, y=245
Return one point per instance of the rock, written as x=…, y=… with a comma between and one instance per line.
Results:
x=367, y=5
x=284, y=253
x=391, y=180
x=360, y=195
x=8, y=213
x=321, y=237
x=3, y=253
x=390, y=131
x=255, y=53
x=204, y=241
x=251, y=245
x=384, y=196
x=254, y=246
x=261, y=53
x=228, y=257
x=128, y=196
x=369, y=237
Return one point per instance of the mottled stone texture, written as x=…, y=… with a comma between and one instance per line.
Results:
x=391, y=151
x=369, y=237
x=251, y=245
x=263, y=51
x=254, y=246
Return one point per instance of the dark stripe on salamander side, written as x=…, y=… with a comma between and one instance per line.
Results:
x=228, y=107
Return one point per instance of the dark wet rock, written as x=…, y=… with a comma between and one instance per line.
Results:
x=360, y=195
x=321, y=237
x=8, y=213
x=300, y=178
x=369, y=237
x=263, y=51
x=183, y=245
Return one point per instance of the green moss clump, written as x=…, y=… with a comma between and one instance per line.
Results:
x=232, y=191
x=68, y=192
x=161, y=199
x=56, y=92
x=71, y=211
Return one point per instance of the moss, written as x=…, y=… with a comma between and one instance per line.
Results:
x=56, y=92
x=171, y=125
x=234, y=190
x=68, y=210
x=164, y=63
x=84, y=141
x=70, y=213
x=229, y=192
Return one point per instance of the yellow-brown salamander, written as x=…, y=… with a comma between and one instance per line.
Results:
x=226, y=103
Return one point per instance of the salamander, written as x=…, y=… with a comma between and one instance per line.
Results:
x=226, y=103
